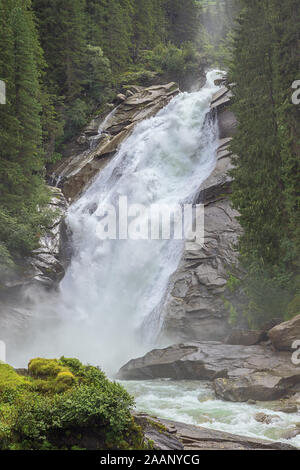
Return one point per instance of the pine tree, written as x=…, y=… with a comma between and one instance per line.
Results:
x=21, y=159
x=183, y=18
x=62, y=33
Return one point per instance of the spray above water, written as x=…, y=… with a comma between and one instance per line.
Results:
x=107, y=310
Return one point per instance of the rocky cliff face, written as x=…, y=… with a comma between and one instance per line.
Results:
x=47, y=262
x=195, y=307
x=102, y=137
x=46, y=265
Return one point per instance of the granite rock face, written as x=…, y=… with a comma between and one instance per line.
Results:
x=46, y=265
x=226, y=118
x=47, y=261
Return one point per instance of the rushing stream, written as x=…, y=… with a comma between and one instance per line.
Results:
x=107, y=310
x=194, y=402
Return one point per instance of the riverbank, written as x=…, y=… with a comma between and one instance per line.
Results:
x=194, y=403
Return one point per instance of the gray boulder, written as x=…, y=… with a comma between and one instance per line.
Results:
x=265, y=419
x=227, y=123
x=244, y=337
x=239, y=373
x=285, y=334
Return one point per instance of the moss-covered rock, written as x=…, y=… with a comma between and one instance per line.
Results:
x=63, y=404
x=45, y=367
x=9, y=379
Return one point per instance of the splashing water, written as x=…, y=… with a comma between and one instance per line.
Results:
x=194, y=402
x=107, y=309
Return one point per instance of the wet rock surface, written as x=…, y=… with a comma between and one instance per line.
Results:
x=227, y=120
x=47, y=261
x=171, y=435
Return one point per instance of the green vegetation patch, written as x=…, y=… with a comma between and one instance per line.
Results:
x=63, y=404
x=9, y=379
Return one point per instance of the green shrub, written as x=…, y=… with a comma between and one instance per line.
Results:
x=176, y=62
x=9, y=379
x=61, y=404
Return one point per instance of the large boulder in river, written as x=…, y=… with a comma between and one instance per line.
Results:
x=74, y=173
x=285, y=334
x=240, y=373
x=258, y=386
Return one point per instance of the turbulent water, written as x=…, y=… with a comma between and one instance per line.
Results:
x=108, y=307
x=194, y=402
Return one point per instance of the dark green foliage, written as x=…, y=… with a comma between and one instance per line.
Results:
x=183, y=20
x=267, y=177
x=21, y=155
x=173, y=63
x=63, y=40
x=110, y=27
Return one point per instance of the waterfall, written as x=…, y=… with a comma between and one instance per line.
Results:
x=107, y=309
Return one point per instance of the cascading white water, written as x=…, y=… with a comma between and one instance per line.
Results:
x=107, y=309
